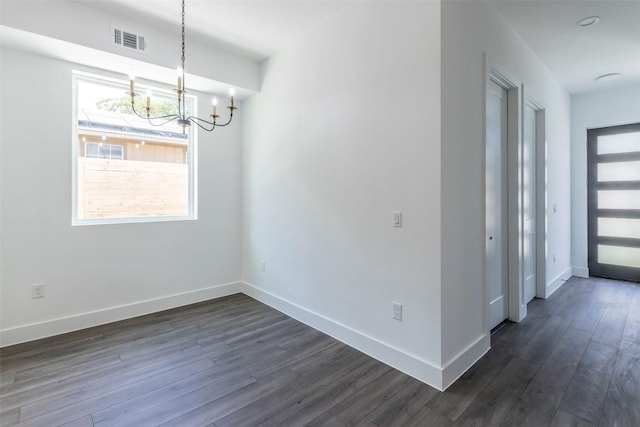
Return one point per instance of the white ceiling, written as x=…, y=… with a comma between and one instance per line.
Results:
x=575, y=55
x=256, y=28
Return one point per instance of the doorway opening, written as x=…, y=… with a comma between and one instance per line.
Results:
x=613, y=200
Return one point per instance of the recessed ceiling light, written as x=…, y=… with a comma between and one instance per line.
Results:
x=588, y=21
x=608, y=77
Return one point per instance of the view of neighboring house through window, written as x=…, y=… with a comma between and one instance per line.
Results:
x=126, y=169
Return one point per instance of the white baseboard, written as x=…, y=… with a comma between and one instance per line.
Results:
x=408, y=363
x=581, y=272
x=76, y=322
x=555, y=284
x=460, y=363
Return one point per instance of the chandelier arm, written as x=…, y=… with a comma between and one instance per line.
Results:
x=194, y=121
x=133, y=108
x=228, y=121
x=170, y=119
x=147, y=117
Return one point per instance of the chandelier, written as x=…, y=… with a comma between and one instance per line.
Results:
x=181, y=118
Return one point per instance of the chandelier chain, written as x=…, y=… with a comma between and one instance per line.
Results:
x=182, y=35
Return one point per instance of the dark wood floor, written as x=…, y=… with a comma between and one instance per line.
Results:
x=575, y=361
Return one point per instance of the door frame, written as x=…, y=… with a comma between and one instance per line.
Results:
x=540, y=160
x=517, y=309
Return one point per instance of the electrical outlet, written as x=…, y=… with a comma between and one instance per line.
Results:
x=37, y=290
x=263, y=266
x=397, y=311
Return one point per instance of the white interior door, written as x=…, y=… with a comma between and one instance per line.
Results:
x=496, y=214
x=529, y=204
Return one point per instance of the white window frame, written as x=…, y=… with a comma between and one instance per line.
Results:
x=192, y=154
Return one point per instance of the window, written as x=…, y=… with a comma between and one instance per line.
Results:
x=100, y=150
x=124, y=168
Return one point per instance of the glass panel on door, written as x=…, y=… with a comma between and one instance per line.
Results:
x=619, y=171
x=619, y=255
x=619, y=227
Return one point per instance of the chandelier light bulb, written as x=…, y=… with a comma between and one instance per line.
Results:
x=180, y=72
x=214, y=101
x=132, y=82
x=231, y=93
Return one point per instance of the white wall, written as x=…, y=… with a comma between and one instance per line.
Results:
x=608, y=107
x=345, y=130
x=96, y=274
x=469, y=30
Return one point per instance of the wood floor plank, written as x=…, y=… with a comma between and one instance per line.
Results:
x=404, y=405
x=328, y=420
x=559, y=368
x=323, y=375
x=622, y=405
x=85, y=421
x=321, y=400
x=9, y=417
x=316, y=351
x=630, y=342
x=236, y=400
x=7, y=377
x=536, y=407
x=496, y=400
x=542, y=343
x=457, y=398
x=611, y=326
x=566, y=419
x=160, y=396
x=95, y=382
x=586, y=393
x=427, y=417
x=588, y=316
x=160, y=412
x=46, y=413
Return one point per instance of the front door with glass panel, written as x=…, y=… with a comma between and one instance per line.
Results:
x=613, y=157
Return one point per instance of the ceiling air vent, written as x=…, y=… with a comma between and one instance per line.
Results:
x=128, y=40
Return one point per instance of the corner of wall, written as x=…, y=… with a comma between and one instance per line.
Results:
x=581, y=272
x=557, y=282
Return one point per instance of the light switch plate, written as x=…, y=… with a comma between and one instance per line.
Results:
x=397, y=311
x=397, y=219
